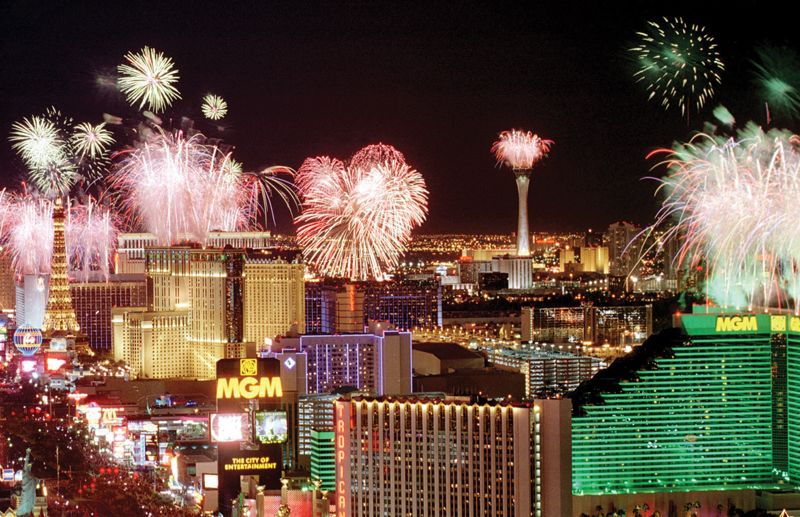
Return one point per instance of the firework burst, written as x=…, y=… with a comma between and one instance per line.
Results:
x=58, y=153
x=91, y=140
x=26, y=230
x=148, y=79
x=357, y=217
x=180, y=188
x=44, y=151
x=37, y=141
x=29, y=234
x=733, y=203
x=214, y=107
x=679, y=64
x=777, y=75
x=520, y=150
x=91, y=232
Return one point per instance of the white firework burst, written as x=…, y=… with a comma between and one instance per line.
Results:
x=90, y=140
x=37, y=141
x=149, y=79
x=214, y=107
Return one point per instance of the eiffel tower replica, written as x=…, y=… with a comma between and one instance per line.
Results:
x=59, y=317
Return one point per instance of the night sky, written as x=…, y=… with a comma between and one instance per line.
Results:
x=438, y=80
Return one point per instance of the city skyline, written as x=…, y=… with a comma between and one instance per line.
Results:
x=366, y=258
x=442, y=111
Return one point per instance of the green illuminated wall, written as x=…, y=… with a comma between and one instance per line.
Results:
x=701, y=420
x=793, y=405
x=323, y=467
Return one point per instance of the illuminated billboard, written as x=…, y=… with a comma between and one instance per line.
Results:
x=210, y=481
x=240, y=380
x=271, y=426
x=58, y=344
x=192, y=431
x=229, y=427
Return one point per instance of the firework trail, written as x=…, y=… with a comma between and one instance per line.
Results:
x=777, y=76
x=733, y=203
x=357, y=217
x=214, y=107
x=29, y=234
x=91, y=232
x=679, y=64
x=181, y=188
x=520, y=150
x=148, y=79
x=26, y=230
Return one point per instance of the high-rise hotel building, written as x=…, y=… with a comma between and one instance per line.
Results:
x=207, y=283
x=377, y=362
x=8, y=297
x=131, y=246
x=231, y=298
x=545, y=368
x=93, y=302
x=155, y=345
x=350, y=307
x=274, y=298
x=708, y=412
x=451, y=457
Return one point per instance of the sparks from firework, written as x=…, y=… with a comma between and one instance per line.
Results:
x=180, y=188
x=520, y=150
x=233, y=167
x=41, y=146
x=357, y=217
x=777, y=76
x=732, y=205
x=37, y=141
x=91, y=140
x=91, y=232
x=27, y=233
x=148, y=79
x=58, y=153
x=214, y=107
x=679, y=64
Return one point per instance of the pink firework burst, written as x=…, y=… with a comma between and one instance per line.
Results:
x=357, y=217
x=180, y=189
x=27, y=232
x=91, y=239
x=519, y=149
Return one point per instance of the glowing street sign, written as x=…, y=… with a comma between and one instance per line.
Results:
x=55, y=364
x=8, y=475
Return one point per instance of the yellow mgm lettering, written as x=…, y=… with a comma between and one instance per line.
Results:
x=249, y=388
x=737, y=324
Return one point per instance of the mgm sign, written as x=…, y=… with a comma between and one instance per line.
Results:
x=241, y=385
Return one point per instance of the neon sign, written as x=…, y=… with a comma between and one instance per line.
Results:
x=249, y=387
x=737, y=324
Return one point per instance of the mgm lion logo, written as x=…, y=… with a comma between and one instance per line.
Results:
x=248, y=367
